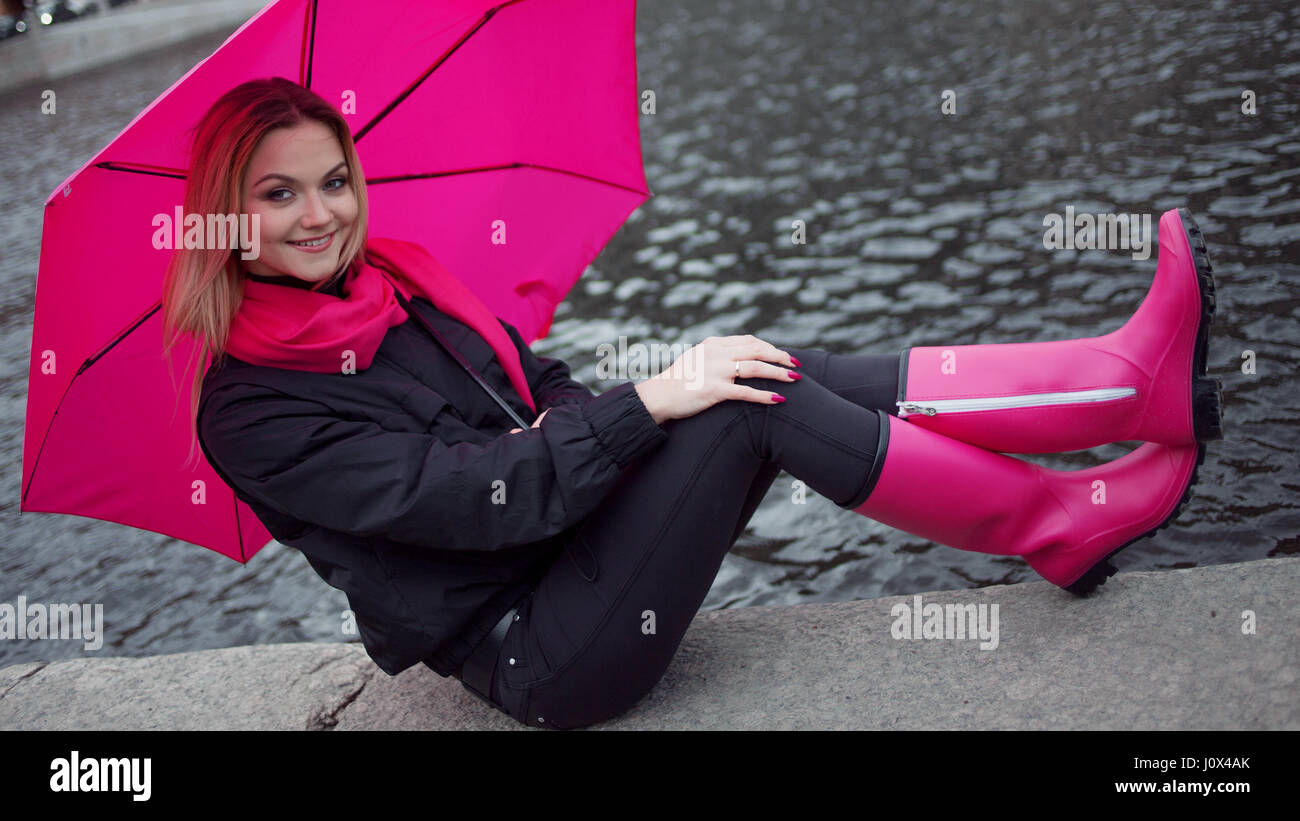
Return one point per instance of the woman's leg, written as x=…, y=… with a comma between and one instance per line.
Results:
x=607, y=618
x=867, y=380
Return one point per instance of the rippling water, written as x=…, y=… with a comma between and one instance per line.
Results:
x=923, y=228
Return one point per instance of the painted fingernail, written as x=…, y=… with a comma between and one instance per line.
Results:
x=794, y=375
x=795, y=361
x=776, y=397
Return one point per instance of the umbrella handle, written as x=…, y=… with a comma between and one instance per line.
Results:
x=455, y=354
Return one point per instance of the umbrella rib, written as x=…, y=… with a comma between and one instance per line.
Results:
x=239, y=528
x=309, y=47
x=91, y=360
x=36, y=463
x=504, y=167
x=136, y=168
x=410, y=89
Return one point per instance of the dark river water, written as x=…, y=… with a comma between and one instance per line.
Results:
x=923, y=228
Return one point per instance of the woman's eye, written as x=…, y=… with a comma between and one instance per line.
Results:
x=271, y=195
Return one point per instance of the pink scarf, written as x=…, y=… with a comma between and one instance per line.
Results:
x=287, y=327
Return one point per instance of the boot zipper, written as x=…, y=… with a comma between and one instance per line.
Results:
x=933, y=406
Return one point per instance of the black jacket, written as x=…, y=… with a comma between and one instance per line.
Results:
x=390, y=480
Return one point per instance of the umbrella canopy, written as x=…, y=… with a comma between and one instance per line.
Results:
x=512, y=120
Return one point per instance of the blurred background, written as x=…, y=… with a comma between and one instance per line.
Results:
x=922, y=229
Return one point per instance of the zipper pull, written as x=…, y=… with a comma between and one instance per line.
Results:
x=912, y=407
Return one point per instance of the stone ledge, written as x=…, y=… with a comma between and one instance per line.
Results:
x=1153, y=650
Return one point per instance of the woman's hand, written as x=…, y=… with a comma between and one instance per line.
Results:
x=536, y=422
x=705, y=375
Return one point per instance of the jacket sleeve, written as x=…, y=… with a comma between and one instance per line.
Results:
x=548, y=379
x=357, y=477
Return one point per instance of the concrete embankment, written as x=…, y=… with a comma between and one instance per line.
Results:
x=52, y=52
x=1208, y=648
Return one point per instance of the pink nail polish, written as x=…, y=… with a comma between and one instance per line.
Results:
x=795, y=361
x=794, y=375
x=776, y=397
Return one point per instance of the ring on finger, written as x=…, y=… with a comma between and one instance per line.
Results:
x=737, y=369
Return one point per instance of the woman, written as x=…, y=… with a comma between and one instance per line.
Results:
x=554, y=570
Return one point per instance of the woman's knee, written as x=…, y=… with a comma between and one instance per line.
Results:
x=713, y=418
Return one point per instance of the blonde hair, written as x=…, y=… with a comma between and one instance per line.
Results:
x=203, y=287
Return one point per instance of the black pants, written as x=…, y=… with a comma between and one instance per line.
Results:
x=600, y=629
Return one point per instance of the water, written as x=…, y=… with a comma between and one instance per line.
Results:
x=923, y=228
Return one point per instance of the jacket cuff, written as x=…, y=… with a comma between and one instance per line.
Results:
x=623, y=425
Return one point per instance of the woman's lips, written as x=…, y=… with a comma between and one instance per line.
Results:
x=315, y=249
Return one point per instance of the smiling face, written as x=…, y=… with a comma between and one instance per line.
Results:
x=300, y=186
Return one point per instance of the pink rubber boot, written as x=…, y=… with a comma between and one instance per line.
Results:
x=1143, y=382
x=1066, y=524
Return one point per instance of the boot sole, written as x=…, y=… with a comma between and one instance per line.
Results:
x=1207, y=404
x=1207, y=391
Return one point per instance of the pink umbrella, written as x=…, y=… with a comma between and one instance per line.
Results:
x=474, y=120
